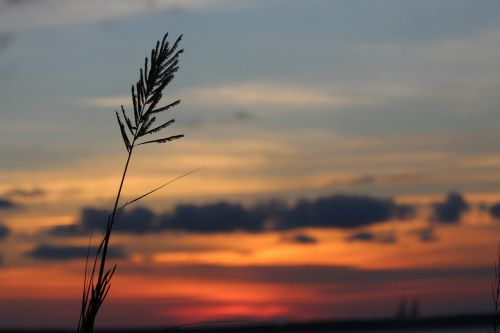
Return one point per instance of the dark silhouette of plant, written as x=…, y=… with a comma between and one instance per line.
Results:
x=157, y=73
x=495, y=290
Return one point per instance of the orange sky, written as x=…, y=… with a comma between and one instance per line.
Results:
x=182, y=277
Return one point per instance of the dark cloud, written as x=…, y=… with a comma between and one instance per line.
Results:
x=7, y=204
x=66, y=230
x=21, y=192
x=50, y=252
x=362, y=236
x=426, y=235
x=331, y=212
x=494, y=210
x=138, y=220
x=362, y=180
x=338, y=211
x=300, y=239
x=341, y=211
x=450, y=211
x=219, y=217
x=4, y=231
x=365, y=236
x=384, y=179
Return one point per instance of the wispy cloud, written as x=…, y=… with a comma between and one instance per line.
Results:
x=106, y=101
x=251, y=94
x=34, y=13
x=259, y=94
x=26, y=193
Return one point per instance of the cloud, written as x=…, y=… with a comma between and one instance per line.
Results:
x=242, y=115
x=15, y=3
x=21, y=192
x=15, y=14
x=309, y=274
x=7, y=204
x=450, y=210
x=136, y=221
x=219, y=217
x=267, y=94
x=56, y=253
x=4, y=231
x=426, y=235
x=365, y=236
x=113, y=102
x=494, y=210
x=6, y=39
x=343, y=211
x=338, y=211
x=244, y=95
x=300, y=239
x=66, y=230
x=382, y=179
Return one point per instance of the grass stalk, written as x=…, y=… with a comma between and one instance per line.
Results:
x=495, y=291
x=157, y=73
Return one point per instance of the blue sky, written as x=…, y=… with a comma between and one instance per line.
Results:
x=384, y=70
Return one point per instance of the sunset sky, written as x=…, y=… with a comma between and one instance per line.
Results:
x=350, y=155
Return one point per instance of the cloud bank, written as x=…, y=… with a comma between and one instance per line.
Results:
x=57, y=253
x=366, y=236
x=6, y=204
x=4, y=231
x=451, y=209
x=338, y=211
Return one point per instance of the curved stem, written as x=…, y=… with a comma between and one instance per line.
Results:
x=111, y=221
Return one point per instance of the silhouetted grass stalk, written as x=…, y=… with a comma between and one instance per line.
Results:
x=495, y=290
x=146, y=95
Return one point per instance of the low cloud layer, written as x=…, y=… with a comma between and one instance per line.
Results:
x=7, y=204
x=366, y=236
x=309, y=274
x=426, y=235
x=4, y=231
x=300, y=239
x=494, y=210
x=57, y=253
x=451, y=209
x=25, y=193
x=338, y=211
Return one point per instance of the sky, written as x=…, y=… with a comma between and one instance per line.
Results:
x=349, y=155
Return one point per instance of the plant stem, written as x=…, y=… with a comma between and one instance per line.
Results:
x=146, y=94
x=87, y=322
x=112, y=220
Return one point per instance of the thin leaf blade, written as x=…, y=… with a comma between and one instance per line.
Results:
x=163, y=140
x=124, y=134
